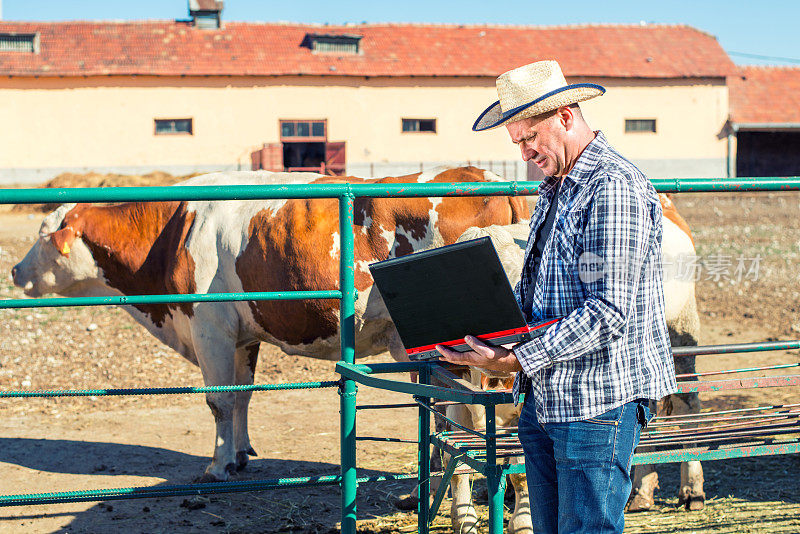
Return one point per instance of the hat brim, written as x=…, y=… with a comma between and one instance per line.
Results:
x=494, y=116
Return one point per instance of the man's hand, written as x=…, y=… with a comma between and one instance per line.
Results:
x=482, y=355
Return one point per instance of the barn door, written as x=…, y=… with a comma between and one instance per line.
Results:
x=335, y=158
x=269, y=157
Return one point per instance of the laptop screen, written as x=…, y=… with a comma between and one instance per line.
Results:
x=447, y=293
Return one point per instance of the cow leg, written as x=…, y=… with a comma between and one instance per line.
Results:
x=216, y=356
x=463, y=516
x=645, y=480
x=437, y=463
x=645, y=483
x=520, y=522
x=246, y=358
x=690, y=494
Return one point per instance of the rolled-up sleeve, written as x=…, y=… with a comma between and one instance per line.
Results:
x=616, y=240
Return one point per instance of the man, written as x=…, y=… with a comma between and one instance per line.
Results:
x=594, y=258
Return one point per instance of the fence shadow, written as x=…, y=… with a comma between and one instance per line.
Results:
x=314, y=509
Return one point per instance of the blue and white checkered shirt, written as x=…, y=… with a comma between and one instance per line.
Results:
x=601, y=270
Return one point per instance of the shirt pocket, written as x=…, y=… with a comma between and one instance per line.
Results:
x=568, y=242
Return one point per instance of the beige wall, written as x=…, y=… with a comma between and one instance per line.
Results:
x=107, y=122
x=690, y=119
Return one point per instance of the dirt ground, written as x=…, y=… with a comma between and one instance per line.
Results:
x=106, y=442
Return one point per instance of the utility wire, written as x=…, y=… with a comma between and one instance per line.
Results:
x=758, y=56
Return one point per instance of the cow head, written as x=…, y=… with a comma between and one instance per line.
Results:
x=59, y=261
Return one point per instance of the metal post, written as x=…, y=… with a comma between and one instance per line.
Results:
x=424, y=457
x=347, y=404
x=732, y=138
x=493, y=475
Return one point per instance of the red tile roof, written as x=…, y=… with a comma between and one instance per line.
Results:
x=765, y=95
x=176, y=48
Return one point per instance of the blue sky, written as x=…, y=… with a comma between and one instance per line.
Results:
x=759, y=28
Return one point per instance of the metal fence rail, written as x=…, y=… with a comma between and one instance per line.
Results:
x=345, y=194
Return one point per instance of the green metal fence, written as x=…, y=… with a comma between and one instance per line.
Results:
x=345, y=194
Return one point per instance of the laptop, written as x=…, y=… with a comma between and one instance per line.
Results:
x=439, y=296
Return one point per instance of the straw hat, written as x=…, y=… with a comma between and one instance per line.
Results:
x=532, y=90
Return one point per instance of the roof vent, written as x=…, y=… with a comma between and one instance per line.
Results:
x=19, y=42
x=335, y=43
x=206, y=14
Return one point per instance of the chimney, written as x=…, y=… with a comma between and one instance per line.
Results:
x=206, y=14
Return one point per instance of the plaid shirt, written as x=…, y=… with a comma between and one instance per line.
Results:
x=601, y=270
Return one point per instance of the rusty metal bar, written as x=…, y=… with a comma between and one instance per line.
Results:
x=697, y=429
x=696, y=386
x=703, y=420
x=685, y=455
x=735, y=348
x=746, y=370
x=736, y=410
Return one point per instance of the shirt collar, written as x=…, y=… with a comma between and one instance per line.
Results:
x=585, y=166
x=589, y=159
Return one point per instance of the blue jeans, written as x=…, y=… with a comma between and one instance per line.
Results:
x=579, y=472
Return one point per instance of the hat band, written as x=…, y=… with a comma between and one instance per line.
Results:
x=514, y=111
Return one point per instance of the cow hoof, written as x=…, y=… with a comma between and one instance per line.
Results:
x=252, y=452
x=640, y=503
x=406, y=502
x=693, y=503
x=230, y=468
x=241, y=460
x=208, y=478
x=696, y=504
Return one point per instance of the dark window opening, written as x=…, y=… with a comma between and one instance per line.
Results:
x=340, y=44
x=19, y=42
x=640, y=125
x=419, y=125
x=303, y=156
x=303, y=130
x=767, y=153
x=173, y=126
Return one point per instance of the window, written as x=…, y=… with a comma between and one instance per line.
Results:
x=292, y=130
x=19, y=42
x=207, y=20
x=640, y=125
x=419, y=125
x=173, y=126
x=341, y=44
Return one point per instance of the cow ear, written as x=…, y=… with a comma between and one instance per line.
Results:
x=63, y=240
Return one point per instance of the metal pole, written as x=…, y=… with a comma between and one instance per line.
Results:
x=424, y=457
x=732, y=139
x=492, y=474
x=347, y=404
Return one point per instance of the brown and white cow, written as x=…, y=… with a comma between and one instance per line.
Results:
x=234, y=246
x=684, y=325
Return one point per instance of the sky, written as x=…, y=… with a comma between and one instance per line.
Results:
x=752, y=32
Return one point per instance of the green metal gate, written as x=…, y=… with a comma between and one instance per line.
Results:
x=345, y=194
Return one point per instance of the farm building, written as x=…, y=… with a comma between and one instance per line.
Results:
x=374, y=99
x=764, y=127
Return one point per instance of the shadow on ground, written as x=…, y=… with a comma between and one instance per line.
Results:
x=314, y=509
